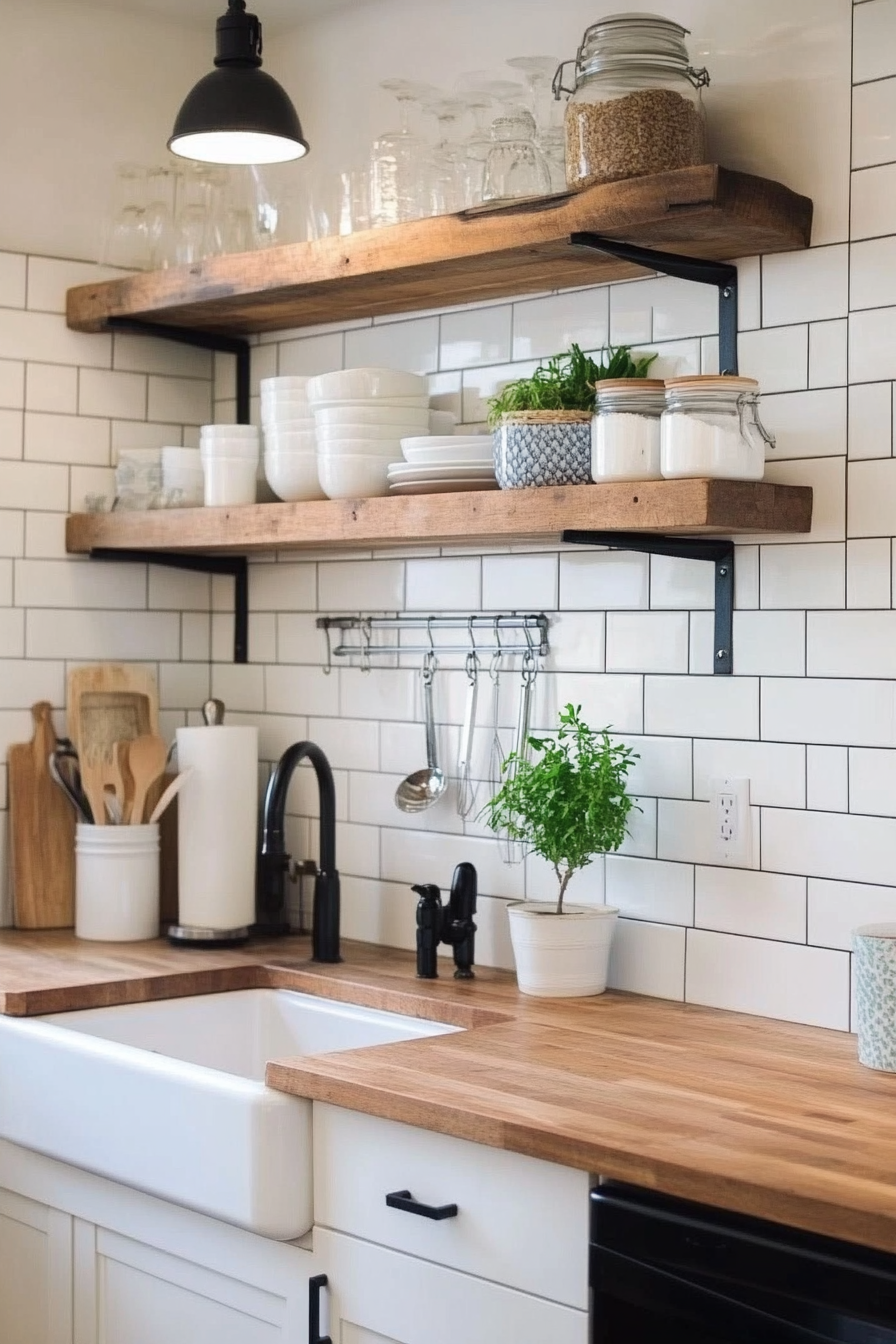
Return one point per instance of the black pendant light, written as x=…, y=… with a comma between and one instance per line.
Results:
x=238, y=114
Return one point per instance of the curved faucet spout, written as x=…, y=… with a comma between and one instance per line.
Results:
x=274, y=859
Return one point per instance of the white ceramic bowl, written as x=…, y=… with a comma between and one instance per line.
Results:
x=292, y=382
x=357, y=430
x=289, y=440
x=415, y=420
x=429, y=451
x=420, y=403
x=285, y=410
x=228, y=432
x=288, y=397
x=361, y=447
x=353, y=477
x=366, y=382
x=293, y=476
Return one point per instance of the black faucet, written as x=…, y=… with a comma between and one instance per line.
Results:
x=451, y=923
x=273, y=860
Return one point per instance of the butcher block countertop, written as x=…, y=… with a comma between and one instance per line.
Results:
x=745, y=1113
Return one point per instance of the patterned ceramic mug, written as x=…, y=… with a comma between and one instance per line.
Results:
x=874, y=946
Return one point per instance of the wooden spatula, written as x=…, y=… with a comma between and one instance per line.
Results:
x=146, y=759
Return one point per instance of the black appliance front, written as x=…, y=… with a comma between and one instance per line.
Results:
x=664, y=1271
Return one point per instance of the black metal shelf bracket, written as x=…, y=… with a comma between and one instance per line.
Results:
x=234, y=566
x=719, y=273
x=720, y=553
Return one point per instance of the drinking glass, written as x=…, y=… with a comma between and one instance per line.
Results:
x=400, y=166
x=125, y=241
x=196, y=232
x=538, y=72
x=516, y=166
x=161, y=194
x=476, y=147
x=447, y=195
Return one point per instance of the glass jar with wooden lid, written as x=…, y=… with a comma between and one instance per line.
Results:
x=711, y=427
x=636, y=105
x=625, y=431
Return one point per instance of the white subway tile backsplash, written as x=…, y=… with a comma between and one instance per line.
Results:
x=576, y=641
x=663, y=766
x=771, y=979
x=648, y=959
x=12, y=280
x=851, y=643
x=185, y=401
x=758, y=905
x=806, y=424
x=98, y=636
x=871, y=280
x=481, y=384
x=777, y=356
x=776, y=771
x=11, y=434
x=424, y=856
x=12, y=635
x=549, y=326
x=870, y=421
x=872, y=344
x=146, y=354
x=283, y=587
x=50, y=387
x=12, y=532
x=34, y=485
x=409, y=345
x=444, y=585
x=828, y=353
x=372, y=803
x=868, y=573
x=650, y=889
x=60, y=583
x=827, y=477
x=119, y=396
x=827, y=779
x=519, y=582
x=305, y=689
x=684, y=832
x=614, y=701
x=604, y=580
x=874, y=40
x=874, y=123
x=177, y=589
x=829, y=844
x=12, y=384
x=873, y=202
x=723, y=707
x=475, y=336
x=647, y=641
x=24, y=682
x=872, y=781
x=872, y=498
x=43, y=337
x=832, y=712
x=836, y=908
x=806, y=287
x=66, y=438
x=684, y=584
x=361, y=586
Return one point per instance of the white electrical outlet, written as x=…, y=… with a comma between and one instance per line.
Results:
x=732, y=828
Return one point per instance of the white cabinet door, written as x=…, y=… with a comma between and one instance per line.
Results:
x=378, y=1296
x=130, y=1293
x=35, y=1272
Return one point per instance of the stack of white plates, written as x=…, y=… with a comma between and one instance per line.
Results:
x=438, y=464
x=290, y=447
x=360, y=417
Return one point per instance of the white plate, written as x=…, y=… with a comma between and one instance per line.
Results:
x=457, y=467
x=483, y=441
x=441, y=487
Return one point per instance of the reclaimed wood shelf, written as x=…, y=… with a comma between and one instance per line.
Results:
x=708, y=212
x=687, y=507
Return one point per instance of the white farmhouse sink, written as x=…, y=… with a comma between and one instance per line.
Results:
x=169, y=1097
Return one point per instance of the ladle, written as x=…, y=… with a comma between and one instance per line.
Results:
x=424, y=787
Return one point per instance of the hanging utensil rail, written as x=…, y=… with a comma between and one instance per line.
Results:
x=531, y=631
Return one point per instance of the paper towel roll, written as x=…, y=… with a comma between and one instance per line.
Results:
x=217, y=827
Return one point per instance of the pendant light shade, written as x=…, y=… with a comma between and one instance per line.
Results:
x=238, y=114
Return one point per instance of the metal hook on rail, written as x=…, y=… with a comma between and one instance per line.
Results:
x=366, y=635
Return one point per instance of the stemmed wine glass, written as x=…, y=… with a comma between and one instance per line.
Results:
x=447, y=155
x=538, y=72
x=400, y=164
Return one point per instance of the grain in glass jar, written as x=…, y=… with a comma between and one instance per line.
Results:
x=635, y=105
x=625, y=431
x=711, y=427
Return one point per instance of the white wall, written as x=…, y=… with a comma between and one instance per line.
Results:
x=82, y=89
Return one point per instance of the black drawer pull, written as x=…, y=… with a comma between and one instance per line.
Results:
x=402, y=1199
x=315, y=1285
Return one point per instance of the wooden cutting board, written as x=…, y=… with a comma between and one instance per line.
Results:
x=42, y=833
x=110, y=702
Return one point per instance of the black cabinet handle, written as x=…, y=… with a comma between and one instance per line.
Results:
x=402, y=1199
x=315, y=1284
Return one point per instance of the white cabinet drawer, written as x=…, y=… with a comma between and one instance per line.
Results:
x=520, y=1221
x=376, y=1296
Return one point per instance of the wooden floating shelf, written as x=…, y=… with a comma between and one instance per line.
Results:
x=692, y=507
x=708, y=211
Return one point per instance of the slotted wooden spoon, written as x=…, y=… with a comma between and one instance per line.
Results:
x=146, y=759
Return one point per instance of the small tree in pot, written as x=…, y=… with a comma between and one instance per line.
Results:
x=568, y=805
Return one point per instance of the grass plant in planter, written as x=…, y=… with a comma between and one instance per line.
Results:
x=542, y=424
x=568, y=804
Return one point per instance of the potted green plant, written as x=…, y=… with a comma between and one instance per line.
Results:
x=568, y=804
x=542, y=424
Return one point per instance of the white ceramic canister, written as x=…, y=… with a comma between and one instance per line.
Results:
x=711, y=428
x=561, y=956
x=217, y=828
x=625, y=431
x=117, y=883
x=230, y=475
x=874, y=948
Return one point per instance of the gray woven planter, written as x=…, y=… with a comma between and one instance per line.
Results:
x=543, y=448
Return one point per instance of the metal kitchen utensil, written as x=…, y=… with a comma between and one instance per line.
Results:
x=170, y=794
x=496, y=750
x=466, y=791
x=424, y=787
x=511, y=850
x=213, y=712
x=58, y=764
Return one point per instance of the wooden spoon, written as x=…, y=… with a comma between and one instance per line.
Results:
x=93, y=780
x=146, y=758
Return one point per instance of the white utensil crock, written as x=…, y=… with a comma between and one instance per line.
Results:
x=561, y=956
x=874, y=946
x=117, y=883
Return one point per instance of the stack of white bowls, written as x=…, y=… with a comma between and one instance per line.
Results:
x=360, y=418
x=290, y=452
x=229, y=456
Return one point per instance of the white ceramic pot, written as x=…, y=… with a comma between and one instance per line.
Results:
x=561, y=956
